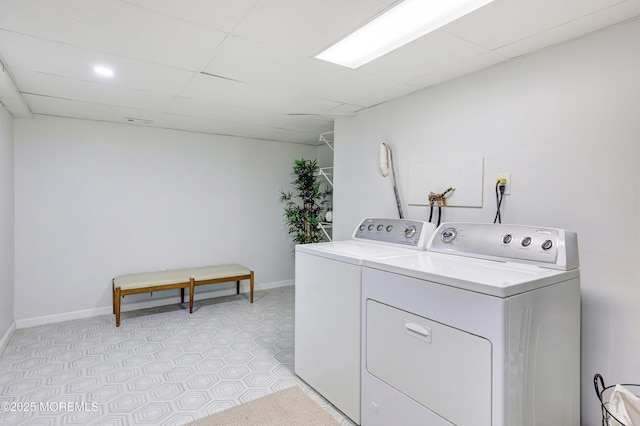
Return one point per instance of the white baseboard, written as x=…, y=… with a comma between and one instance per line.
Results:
x=5, y=339
x=125, y=307
x=67, y=316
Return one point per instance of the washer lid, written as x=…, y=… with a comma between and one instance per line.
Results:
x=351, y=251
x=500, y=279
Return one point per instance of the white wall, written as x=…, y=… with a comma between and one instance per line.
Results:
x=95, y=200
x=6, y=223
x=566, y=123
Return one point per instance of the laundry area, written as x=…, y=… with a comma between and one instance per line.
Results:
x=471, y=256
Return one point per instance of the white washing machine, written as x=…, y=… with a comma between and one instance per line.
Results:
x=328, y=301
x=482, y=329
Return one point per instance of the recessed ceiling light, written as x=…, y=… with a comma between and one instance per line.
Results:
x=401, y=24
x=103, y=71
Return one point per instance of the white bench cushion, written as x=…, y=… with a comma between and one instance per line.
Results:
x=150, y=279
x=176, y=276
x=216, y=272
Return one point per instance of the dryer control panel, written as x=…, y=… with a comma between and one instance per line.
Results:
x=546, y=247
x=402, y=232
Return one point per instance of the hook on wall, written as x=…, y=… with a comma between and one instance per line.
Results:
x=386, y=165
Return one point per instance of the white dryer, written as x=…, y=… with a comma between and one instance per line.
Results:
x=328, y=300
x=482, y=329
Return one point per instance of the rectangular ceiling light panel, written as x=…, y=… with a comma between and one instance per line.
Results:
x=401, y=24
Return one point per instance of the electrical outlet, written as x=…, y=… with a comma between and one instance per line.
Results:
x=507, y=187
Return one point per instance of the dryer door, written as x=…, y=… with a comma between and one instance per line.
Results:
x=445, y=369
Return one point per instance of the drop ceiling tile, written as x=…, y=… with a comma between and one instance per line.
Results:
x=277, y=134
x=87, y=91
x=571, y=30
x=224, y=112
x=374, y=98
x=464, y=67
x=346, y=109
x=67, y=108
x=210, y=88
x=115, y=27
x=306, y=27
x=252, y=62
x=222, y=15
x=203, y=125
x=144, y=117
x=323, y=122
x=312, y=124
x=255, y=63
x=503, y=22
x=422, y=56
x=245, y=130
x=198, y=109
x=61, y=59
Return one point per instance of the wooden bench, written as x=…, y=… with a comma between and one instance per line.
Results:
x=147, y=282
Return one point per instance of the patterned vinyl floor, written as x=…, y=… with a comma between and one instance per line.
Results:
x=162, y=366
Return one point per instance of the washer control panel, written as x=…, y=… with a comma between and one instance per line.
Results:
x=402, y=232
x=547, y=247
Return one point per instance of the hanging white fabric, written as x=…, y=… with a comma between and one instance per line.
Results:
x=624, y=406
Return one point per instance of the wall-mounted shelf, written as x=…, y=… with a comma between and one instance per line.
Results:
x=326, y=228
x=327, y=173
x=327, y=138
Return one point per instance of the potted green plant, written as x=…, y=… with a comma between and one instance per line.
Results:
x=304, y=206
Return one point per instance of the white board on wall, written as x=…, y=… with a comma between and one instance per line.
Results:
x=464, y=175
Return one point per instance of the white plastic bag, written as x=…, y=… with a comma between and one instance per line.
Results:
x=625, y=406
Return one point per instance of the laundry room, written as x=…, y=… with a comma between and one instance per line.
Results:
x=181, y=164
x=563, y=123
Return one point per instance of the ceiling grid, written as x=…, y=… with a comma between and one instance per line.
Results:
x=247, y=68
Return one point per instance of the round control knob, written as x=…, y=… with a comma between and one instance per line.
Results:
x=389, y=228
x=526, y=241
x=379, y=228
x=547, y=244
x=362, y=227
x=448, y=235
x=507, y=238
x=370, y=227
x=410, y=231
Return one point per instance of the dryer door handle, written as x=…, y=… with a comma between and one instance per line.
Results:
x=417, y=330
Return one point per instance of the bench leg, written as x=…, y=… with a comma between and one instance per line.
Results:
x=238, y=287
x=117, y=306
x=192, y=287
x=182, y=295
x=251, y=287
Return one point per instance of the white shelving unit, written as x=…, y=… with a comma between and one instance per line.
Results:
x=327, y=174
